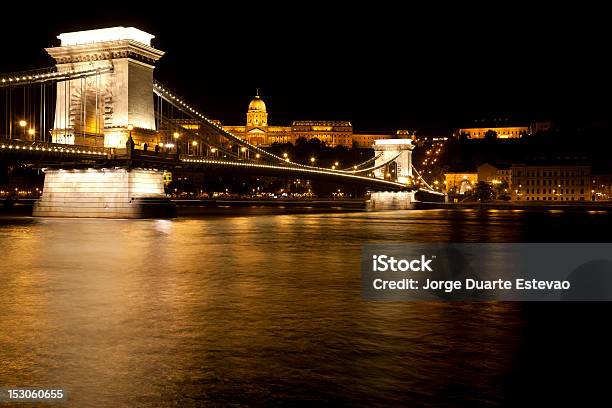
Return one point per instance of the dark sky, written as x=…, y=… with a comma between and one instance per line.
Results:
x=381, y=68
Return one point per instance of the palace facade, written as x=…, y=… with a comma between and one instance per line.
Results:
x=258, y=131
x=504, y=132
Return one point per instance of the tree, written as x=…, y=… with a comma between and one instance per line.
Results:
x=490, y=135
x=501, y=191
x=483, y=191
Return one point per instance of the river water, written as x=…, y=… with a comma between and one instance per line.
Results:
x=263, y=307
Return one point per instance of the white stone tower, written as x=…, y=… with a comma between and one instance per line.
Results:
x=399, y=153
x=98, y=109
x=396, y=154
x=104, y=109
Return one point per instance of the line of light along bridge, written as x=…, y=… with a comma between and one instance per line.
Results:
x=75, y=156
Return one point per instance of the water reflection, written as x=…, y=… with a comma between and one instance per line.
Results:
x=242, y=309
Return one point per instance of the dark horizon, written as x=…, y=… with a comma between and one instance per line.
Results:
x=382, y=73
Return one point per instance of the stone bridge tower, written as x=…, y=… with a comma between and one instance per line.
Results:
x=96, y=110
x=104, y=109
x=398, y=152
x=396, y=155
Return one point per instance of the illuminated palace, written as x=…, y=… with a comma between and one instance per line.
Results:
x=501, y=131
x=257, y=130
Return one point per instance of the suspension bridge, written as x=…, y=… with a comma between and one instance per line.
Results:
x=104, y=130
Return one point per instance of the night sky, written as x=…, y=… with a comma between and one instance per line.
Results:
x=383, y=69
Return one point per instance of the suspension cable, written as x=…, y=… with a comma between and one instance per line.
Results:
x=421, y=178
x=358, y=165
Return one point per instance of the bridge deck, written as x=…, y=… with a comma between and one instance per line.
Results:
x=44, y=154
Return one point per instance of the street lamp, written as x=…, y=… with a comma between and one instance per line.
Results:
x=22, y=124
x=336, y=164
x=312, y=160
x=257, y=156
x=285, y=155
x=194, y=144
x=176, y=136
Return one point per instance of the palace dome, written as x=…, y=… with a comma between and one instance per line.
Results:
x=257, y=104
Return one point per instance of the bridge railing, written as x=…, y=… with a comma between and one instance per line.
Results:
x=213, y=158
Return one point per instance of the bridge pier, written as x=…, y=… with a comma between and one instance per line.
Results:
x=104, y=193
x=391, y=200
